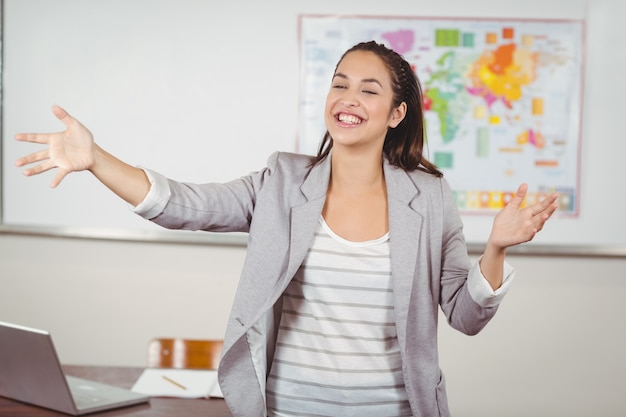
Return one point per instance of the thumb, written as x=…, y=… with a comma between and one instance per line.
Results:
x=62, y=115
x=520, y=194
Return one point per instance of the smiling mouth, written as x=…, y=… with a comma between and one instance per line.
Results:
x=349, y=119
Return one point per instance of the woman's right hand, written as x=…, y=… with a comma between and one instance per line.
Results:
x=69, y=151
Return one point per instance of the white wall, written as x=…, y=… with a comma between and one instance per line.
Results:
x=183, y=87
x=555, y=348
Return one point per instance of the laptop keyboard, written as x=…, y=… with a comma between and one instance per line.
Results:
x=84, y=399
x=88, y=394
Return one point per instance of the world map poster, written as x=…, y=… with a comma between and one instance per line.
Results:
x=501, y=98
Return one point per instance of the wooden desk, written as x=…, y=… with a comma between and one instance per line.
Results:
x=124, y=377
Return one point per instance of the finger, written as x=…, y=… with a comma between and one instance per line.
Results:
x=38, y=169
x=550, y=211
x=60, y=175
x=542, y=217
x=43, y=138
x=32, y=158
x=548, y=204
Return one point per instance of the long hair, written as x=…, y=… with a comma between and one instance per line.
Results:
x=403, y=144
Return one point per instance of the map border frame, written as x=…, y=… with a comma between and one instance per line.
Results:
x=569, y=201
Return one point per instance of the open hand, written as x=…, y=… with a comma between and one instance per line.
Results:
x=514, y=225
x=69, y=151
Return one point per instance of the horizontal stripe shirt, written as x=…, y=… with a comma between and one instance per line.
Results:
x=337, y=350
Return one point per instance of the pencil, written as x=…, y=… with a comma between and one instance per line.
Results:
x=171, y=381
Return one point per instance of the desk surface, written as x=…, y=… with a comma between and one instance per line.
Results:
x=124, y=377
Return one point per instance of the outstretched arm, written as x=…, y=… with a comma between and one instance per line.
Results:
x=74, y=150
x=514, y=225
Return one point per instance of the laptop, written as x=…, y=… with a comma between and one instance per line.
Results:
x=30, y=372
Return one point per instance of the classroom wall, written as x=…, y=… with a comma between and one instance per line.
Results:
x=183, y=87
x=555, y=348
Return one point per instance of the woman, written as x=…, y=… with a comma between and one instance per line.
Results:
x=350, y=253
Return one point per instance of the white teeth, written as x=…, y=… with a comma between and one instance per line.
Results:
x=347, y=118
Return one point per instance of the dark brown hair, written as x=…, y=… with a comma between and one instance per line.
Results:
x=404, y=144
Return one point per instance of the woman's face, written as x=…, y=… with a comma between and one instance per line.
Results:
x=359, y=104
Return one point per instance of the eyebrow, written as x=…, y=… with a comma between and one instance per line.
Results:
x=365, y=80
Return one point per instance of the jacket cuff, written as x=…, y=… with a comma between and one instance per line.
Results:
x=157, y=198
x=480, y=290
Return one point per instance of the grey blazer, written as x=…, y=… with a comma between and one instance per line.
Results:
x=280, y=207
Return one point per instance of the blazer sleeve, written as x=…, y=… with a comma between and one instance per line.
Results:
x=215, y=207
x=461, y=310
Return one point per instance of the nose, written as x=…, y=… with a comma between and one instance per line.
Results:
x=350, y=94
x=349, y=99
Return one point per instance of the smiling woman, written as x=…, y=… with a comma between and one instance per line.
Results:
x=368, y=216
x=316, y=301
x=392, y=78
x=163, y=89
x=361, y=111
x=361, y=102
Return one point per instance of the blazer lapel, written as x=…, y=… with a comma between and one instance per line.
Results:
x=303, y=220
x=404, y=227
x=305, y=216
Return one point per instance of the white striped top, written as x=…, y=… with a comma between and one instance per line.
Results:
x=337, y=352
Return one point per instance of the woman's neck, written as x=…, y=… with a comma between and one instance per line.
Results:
x=356, y=172
x=356, y=201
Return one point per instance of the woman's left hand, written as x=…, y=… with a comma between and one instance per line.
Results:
x=514, y=225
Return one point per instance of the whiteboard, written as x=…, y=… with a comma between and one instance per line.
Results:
x=206, y=92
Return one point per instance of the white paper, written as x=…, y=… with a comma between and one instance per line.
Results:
x=182, y=383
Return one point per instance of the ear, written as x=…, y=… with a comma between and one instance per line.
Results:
x=397, y=115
